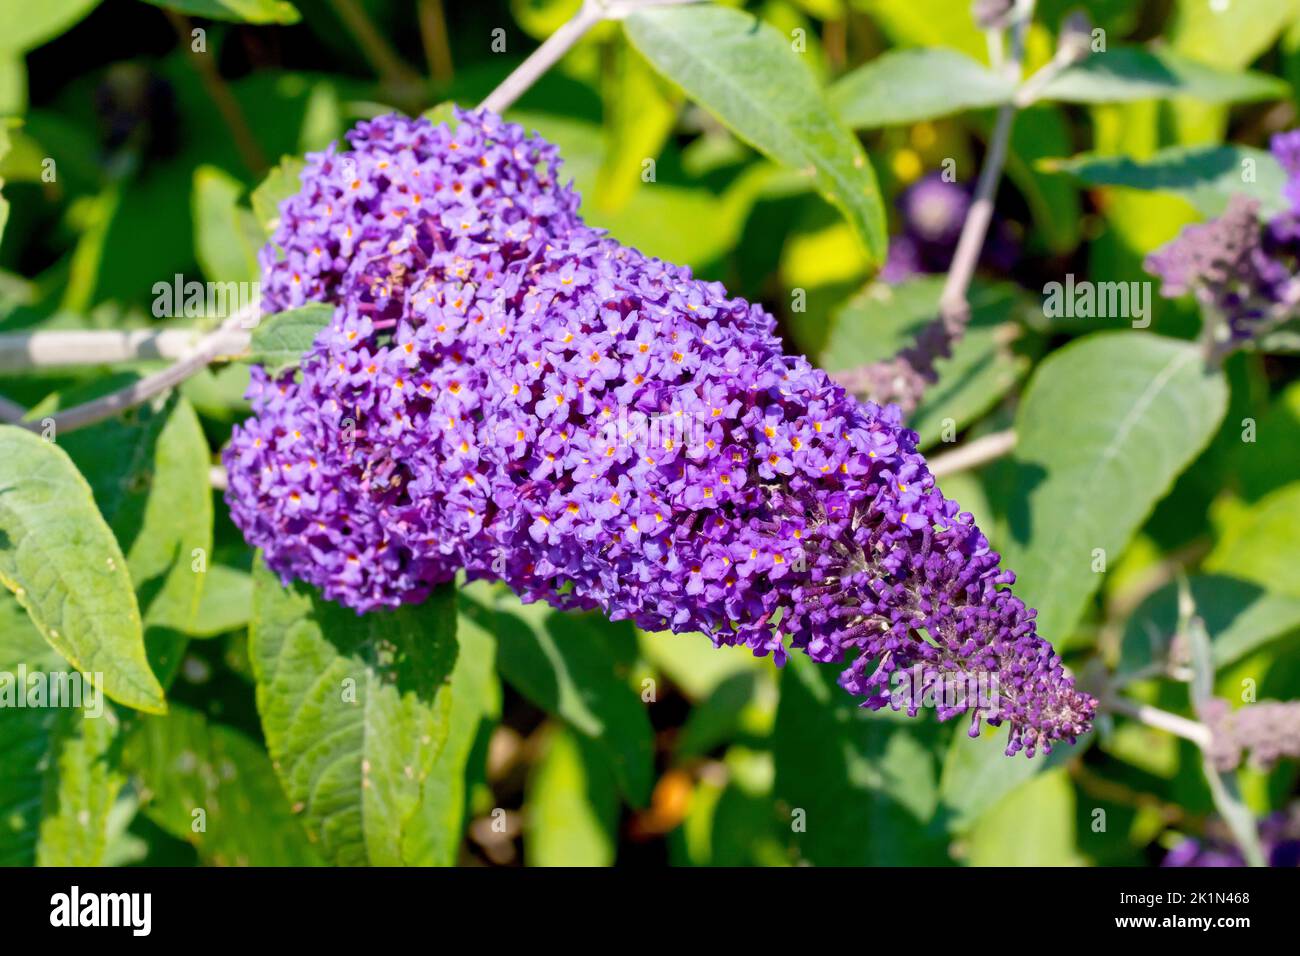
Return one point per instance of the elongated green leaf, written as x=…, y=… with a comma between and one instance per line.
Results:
x=226, y=235
x=58, y=780
x=280, y=183
x=978, y=775
x=149, y=473
x=1106, y=425
x=1229, y=35
x=862, y=787
x=576, y=667
x=245, y=11
x=226, y=604
x=1264, y=545
x=213, y=787
x=1206, y=176
x=744, y=73
x=1033, y=826
x=906, y=86
x=1239, y=616
x=24, y=25
x=475, y=703
x=573, y=805
x=355, y=713
x=61, y=561
x=882, y=319
x=1125, y=73
x=279, y=341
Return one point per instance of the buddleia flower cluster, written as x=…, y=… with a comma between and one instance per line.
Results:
x=1269, y=730
x=507, y=392
x=1279, y=838
x=1239, y=268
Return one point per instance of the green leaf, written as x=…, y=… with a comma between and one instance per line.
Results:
x=226, y=235
x=882, y=319
x=58, y=780
x=25, y=25
x=279, y=341
x=65, y=567
x=475, y=705
x=13, y=87
x=723, y=715
x=1033, y=826
x=240, y=11
x=1205, y=176
x=692, y=662
x=576, y=667
x=1263, y=546
x=1106, y=425
x=927, y=23
x=280, y=183
x=1126, y=73
x=744, y=73
x=639, y=116
x=149, y=474
x=1239, y=616
x=226, y=604
x=978, y=775
x=572, y=805
x=211, y=786
x=1230, y=35
x=355, y=713
x=863, y=785
x=907, y=86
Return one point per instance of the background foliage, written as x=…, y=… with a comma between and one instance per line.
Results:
x=484, y=731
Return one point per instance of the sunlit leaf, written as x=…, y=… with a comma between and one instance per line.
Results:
x=64, y=566
x=1106, y=425
x=744, y=73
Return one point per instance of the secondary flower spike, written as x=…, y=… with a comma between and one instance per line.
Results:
x=506, y=390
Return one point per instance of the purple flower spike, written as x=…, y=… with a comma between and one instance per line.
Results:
x=507, y=391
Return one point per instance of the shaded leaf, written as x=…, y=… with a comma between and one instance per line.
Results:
x=1205, y=176
x=58, y=779
x=1239, y=616
x=1126, y=73
x=211, y=786
x=864, y=784
x=576, y=667
x=240, y=11
x=355, y=713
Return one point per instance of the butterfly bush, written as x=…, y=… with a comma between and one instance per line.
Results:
x=506, y=391
x=1240, y=269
